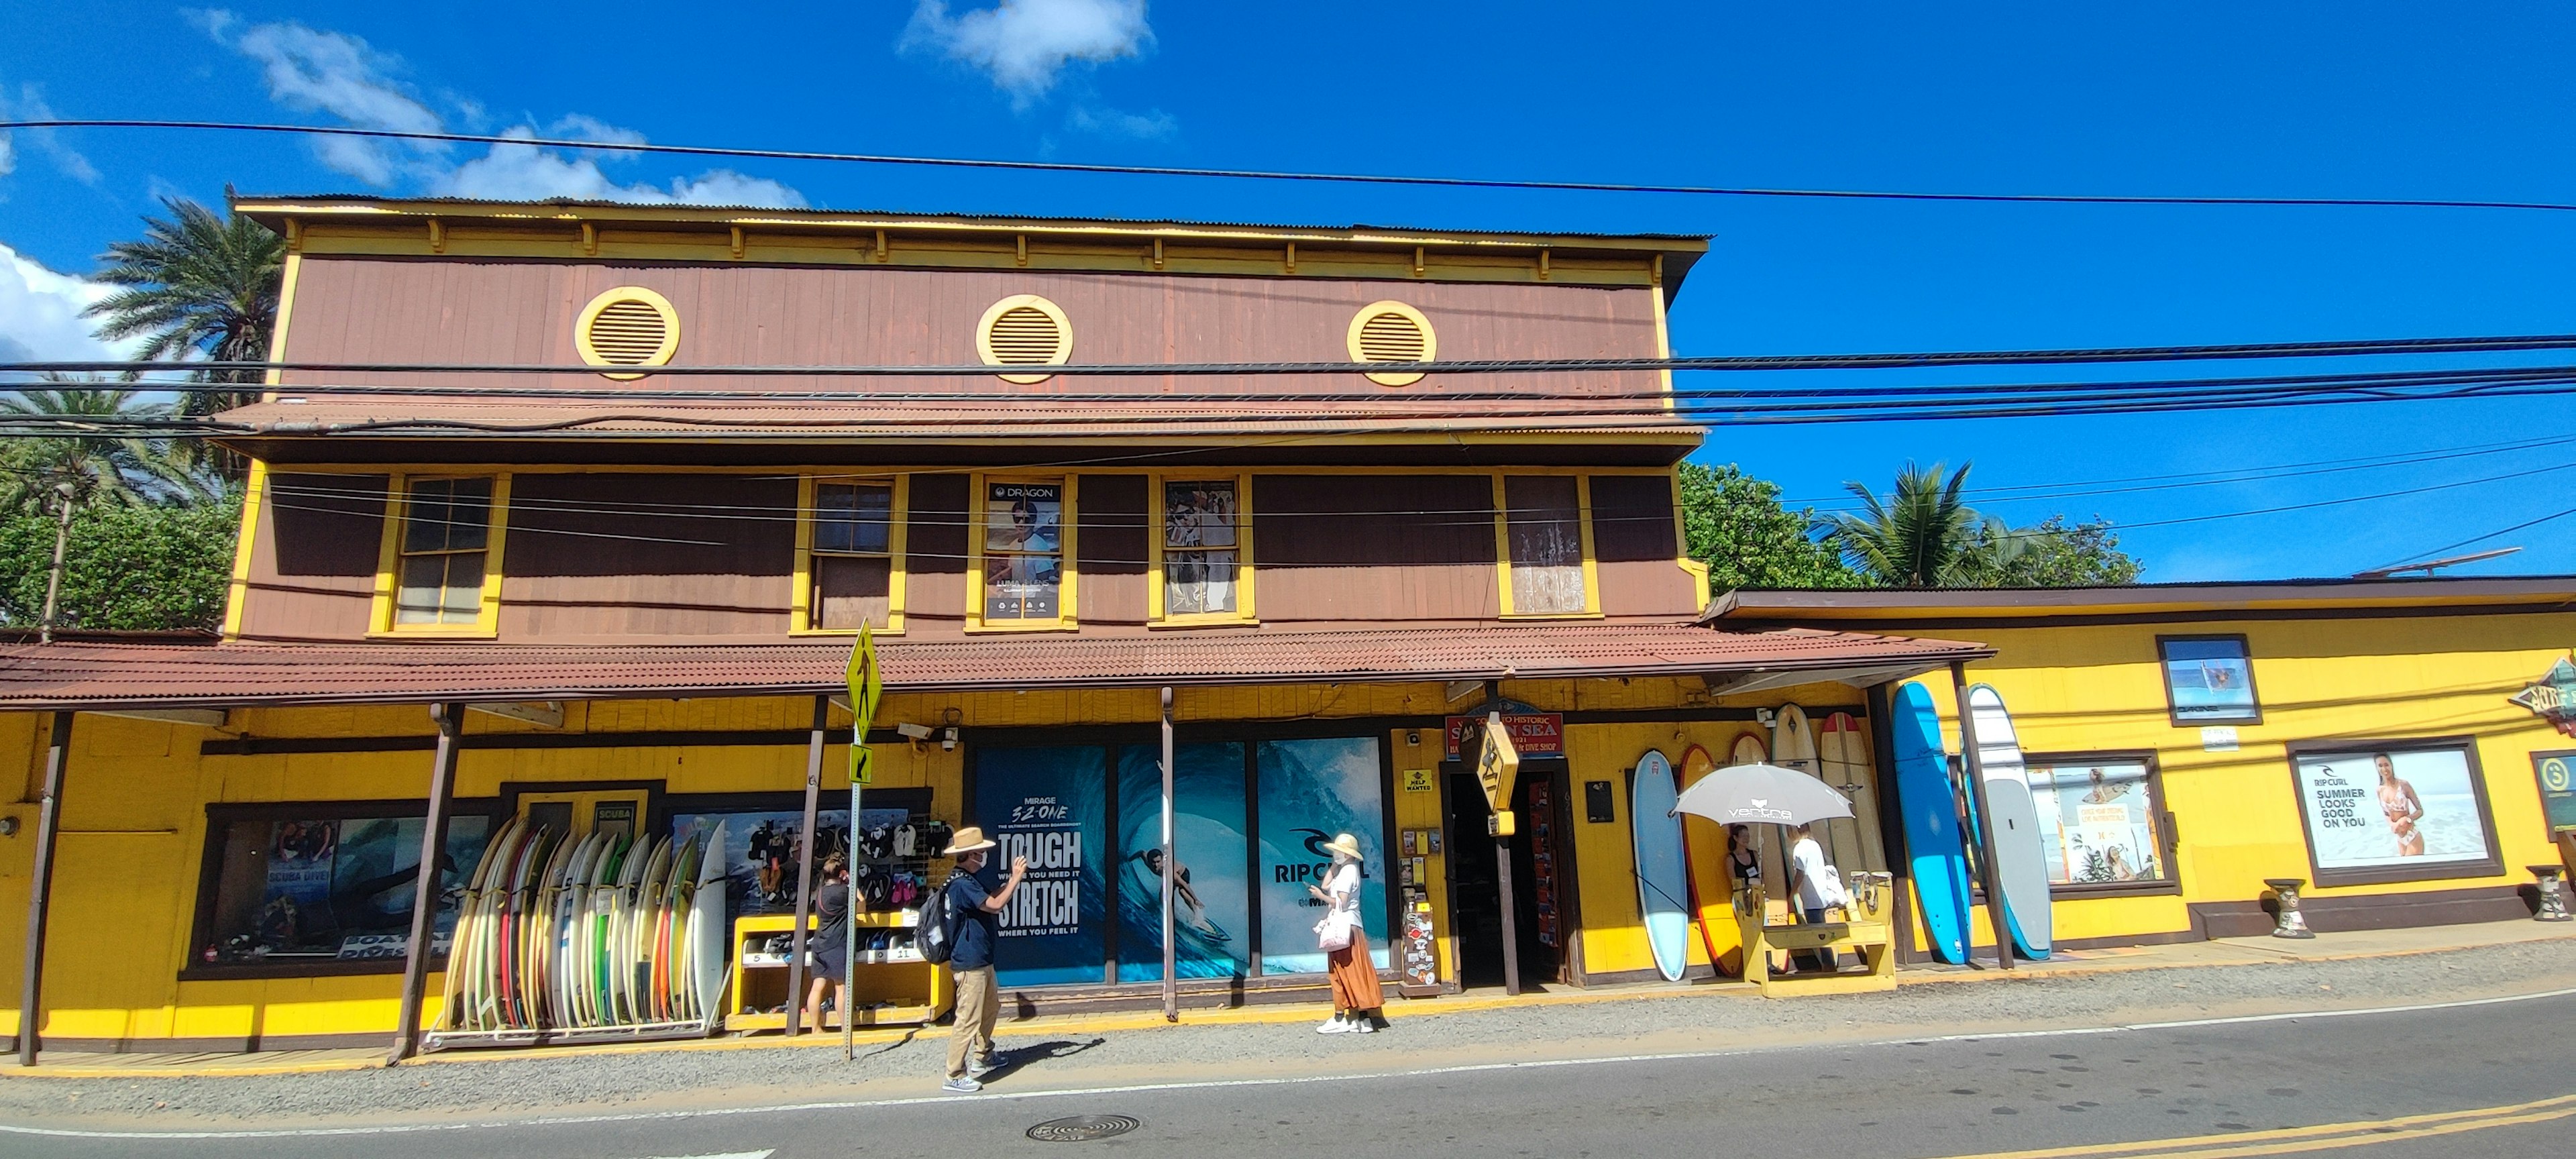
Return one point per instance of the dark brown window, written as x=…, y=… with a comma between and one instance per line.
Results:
x=853, y=555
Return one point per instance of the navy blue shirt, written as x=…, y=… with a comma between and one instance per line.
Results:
x=977, y=928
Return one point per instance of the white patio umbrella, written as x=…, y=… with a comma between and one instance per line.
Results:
x=1760, y=794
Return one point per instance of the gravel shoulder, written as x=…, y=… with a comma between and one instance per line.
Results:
x=681, y=1080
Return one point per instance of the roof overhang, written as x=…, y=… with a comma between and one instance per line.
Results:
x=2147, y=601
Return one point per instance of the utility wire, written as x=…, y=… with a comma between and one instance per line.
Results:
x=2449, y=547
x=1263, y=174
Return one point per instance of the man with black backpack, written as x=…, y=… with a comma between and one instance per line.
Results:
x=974, y=897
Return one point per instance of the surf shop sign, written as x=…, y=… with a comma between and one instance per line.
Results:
x=1533, y=734
x=2553, y=697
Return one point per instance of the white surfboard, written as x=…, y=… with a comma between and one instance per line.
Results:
x=2021, y=860
x=1843, y=752
x=708, y=924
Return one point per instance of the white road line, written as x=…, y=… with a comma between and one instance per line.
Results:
x=1220, y=1084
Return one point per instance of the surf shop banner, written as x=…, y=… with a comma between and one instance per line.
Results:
x=1534, y=734
x=1310, y=791
x=1211, y=913
x=1050, y=806
x=2393, y=814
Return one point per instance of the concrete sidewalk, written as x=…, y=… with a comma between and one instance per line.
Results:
x=2223, y=952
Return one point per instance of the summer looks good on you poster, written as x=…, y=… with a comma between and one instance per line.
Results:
x=2375, y=809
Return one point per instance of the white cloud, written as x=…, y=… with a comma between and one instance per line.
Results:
x=30, y=105
x=1025, y=44
x=343, y=76
x=40, y=314
x=529, y=173
x=1150, y=126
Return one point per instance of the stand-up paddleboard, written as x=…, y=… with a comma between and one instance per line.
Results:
x=1663, y=881
x=1931, y=814
x=1704, y=857
x=1844, y=752
x=2021, y=860
x=707, y=925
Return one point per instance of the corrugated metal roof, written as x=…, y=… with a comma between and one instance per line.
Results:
x=93, y=675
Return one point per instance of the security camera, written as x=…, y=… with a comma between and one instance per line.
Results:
x=913, y=731
x=948, y=740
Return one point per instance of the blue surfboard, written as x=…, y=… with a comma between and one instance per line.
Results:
x=2021, y=855
x=1932, y=838
x=1663, y=879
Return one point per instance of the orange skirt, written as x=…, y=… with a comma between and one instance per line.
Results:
x=1354, y=979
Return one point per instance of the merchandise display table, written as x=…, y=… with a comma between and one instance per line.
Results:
x=893, y=987
x=1866, y=935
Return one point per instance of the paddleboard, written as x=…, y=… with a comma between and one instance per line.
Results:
x=707, y=926
x=1704, y=855
x=1844, y=753
x=2021, y=859
x=1663, y=881
x=1925, y=796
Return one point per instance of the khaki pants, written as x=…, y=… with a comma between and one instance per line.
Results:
x=978, y=1004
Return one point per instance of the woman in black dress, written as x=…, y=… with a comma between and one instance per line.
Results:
x=827, y=951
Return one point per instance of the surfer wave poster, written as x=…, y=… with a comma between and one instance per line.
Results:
x=2210, y=680
x=1211, y=907
x=2376, y=809
x=1310, y=791
x=1048, y=805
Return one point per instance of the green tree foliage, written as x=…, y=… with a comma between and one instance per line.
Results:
x=103, y=469
x=127, y=568
x=1735, y=524
x=196, y=284
x=2057, y=554
x=1922, y=536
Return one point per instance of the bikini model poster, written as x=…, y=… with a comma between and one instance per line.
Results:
x=2381, y=812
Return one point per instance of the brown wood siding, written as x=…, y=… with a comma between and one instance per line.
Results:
x=1110, y=548
x=935, y=557
x=401, y=310
x=1374, y=549
x=1632, y=538
x=313, y=559
x=591, y=556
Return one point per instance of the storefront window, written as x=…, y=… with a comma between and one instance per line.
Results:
x=1049, y=805
x=2099, y=821
x=1311, y=790
x=2209, y=680
x=2399, y=811
x=1211, y=914
x=761, y=854
x=319, y=889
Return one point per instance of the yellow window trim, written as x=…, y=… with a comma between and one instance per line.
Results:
x=1503, y=548
x=487, y=619
x=800, y=603
x=1696, y=569
x=1067, y=618
x=237, y=592
x=1244, y=568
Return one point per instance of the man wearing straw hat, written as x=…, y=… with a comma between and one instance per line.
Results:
x=976, y=900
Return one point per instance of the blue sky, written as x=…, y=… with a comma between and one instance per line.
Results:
x=2361, y=100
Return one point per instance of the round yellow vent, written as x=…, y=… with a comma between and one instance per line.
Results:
x=627, y=326
x=1392, y=332
x=1024, y=330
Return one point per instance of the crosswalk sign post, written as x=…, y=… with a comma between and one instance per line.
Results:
x=866, y=685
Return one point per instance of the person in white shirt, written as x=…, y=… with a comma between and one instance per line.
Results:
x=1807, y=879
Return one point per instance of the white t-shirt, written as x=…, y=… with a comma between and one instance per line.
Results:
x=1810, y=859
x=1343, y=885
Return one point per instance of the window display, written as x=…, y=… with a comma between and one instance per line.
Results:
x=2209, y=680
x=1211, y=912
x=1311, y=790
x=1048, y=804
x=320, y=889
x=1201, y=524
x=2099, y=821
x=1023, y=550
x=2394, y=812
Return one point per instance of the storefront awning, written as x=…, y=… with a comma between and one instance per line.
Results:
x=162, y=675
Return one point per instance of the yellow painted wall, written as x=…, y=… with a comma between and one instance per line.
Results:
x=2100, y=687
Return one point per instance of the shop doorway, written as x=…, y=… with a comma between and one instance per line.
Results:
x=1542, y=879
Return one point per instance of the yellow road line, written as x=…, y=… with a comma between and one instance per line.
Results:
x=2287, y=1140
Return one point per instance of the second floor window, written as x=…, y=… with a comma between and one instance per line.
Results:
x=852, y=567
x=1023, y=551
x=1547, y=546
x=1204, y=549
x=444, y=544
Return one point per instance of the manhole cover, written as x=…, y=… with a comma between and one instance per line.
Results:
x=1082, y=1128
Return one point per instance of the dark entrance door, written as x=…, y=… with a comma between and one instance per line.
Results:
x=1475, y=891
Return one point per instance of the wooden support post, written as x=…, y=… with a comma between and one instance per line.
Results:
x=1985, y=831
x=40, y=886
x=1171, y=869
x=424, y=895
x=1502, y=853
x=805, y=871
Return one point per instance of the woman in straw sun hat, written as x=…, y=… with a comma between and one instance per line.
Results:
x=1344, y=938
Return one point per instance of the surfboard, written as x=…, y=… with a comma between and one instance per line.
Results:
x=2021, y=860
x=1753, y=748
x=707, y=929
x=1938, y=858
x=1704, y=857
x=1663, y=880
x=1844, y=754
x=541, y=930
x=457, y=994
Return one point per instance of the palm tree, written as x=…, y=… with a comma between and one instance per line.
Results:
x=196, y=284
x=1924, y=536
x=105, y=463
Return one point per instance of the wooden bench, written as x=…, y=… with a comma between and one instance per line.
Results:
x=1866, y=934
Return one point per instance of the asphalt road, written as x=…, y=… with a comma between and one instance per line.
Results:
x=2334, y=1084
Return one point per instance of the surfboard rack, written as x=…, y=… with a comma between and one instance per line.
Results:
x=567, y=1036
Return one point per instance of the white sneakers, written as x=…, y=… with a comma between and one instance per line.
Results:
x=1338, y=1024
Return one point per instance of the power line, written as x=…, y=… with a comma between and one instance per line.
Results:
x=2482, y=538
x=1271, y=175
